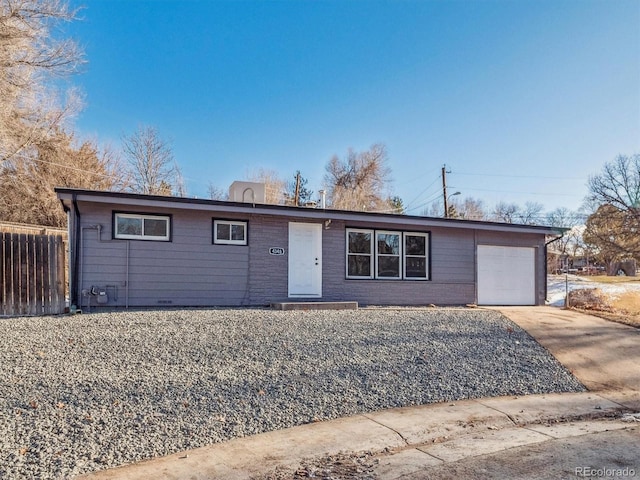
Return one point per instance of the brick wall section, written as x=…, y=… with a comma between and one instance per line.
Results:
x=268, y=273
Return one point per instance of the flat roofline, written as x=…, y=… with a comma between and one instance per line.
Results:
x=187, y=203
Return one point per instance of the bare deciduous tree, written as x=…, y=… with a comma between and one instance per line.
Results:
x=467, y=209
x=216, y=193
x=618, y=185
x=31, y=108
x=151, y=163
x=571, y=244
x=27, y=187
x=530, y=214
x=275, y=187
x=360, y=181
x=505, y=212
x=613, y=233
x=614, y=195
x=562, y=217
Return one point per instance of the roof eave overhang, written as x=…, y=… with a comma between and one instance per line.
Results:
x=141, y=201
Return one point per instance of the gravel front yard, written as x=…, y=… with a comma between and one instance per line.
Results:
x=87, y=392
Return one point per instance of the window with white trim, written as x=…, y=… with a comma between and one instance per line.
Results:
x=416, y=259
x=135, y=226
x=229, y=232
x=359, y=253
x=387, y=255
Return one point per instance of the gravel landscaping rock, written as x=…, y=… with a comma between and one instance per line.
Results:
x=88, y=392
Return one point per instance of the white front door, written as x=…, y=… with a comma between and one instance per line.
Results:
x=305, y=259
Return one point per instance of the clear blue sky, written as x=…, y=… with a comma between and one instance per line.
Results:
x=522, y=99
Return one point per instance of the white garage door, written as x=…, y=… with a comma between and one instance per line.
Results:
x=506, y=275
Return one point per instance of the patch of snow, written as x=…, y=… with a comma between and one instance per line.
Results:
x=631, y=417
x=558, y=285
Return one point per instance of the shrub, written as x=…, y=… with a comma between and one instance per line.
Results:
x=590, y=299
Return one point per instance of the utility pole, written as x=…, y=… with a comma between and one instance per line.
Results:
x=297, y=192
x=444, y=191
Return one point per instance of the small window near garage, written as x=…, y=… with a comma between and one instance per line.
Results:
x=359, y=253
x=416, y=246
x=229, y=232
x=388, y=254
x=134, y=226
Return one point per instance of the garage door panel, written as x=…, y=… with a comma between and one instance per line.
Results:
x=506, y=275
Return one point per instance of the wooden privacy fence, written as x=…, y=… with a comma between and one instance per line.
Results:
x=32, y=280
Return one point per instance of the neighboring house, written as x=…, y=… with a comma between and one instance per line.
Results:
x=130, y=250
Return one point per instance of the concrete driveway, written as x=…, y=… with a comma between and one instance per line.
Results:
x=603, y=355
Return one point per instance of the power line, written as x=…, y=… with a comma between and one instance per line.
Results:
x=94, y=173
x=426, y=202
x=90, y=172
x=528, y=193
x=519, y=176
x=418, y=177
x=423, y=191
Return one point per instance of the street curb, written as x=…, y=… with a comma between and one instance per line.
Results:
x=396, y=429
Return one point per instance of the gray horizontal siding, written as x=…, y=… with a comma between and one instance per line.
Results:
x=170, y=267
x=452, y=271
x=191, y=271
x=198, y=300
x=184, y=282
x=506, y=240
x=376, y=292
x=452, y=259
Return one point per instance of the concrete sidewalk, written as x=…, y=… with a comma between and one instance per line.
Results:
x=416, y=442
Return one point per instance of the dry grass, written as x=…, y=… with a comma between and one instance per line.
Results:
x=624, y=308
x=629, y=301
x=629, y=304
x=613, y=279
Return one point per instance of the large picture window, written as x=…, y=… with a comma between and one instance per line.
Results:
x=135, y=226
x=387, y=255
x=229, y=232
